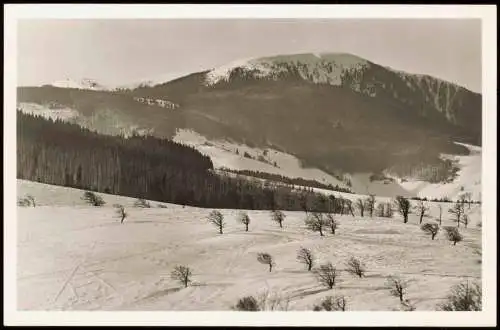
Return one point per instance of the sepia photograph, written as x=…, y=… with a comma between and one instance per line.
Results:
x=229, y=159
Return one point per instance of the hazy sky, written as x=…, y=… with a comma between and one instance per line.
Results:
x=122, y=50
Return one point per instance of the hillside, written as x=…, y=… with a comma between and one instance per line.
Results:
x=337, y=113
x=72, y=256
x=57, y=152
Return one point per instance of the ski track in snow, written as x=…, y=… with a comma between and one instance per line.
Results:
x=127, y=266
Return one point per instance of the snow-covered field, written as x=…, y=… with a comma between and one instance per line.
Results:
x=72, y=256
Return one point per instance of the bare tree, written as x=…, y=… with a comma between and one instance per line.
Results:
x=403, y=206
x=326, y=275
x=479, y=253
x=306, y=257
x=388, y=210
x=332, y=223
x=245, y=219
x=332, y=304
x=93, y=199
x=278, y=217
x=264, y=302
x=316, y=222
x=120, y=212
x=370, y=204
x=304, y=203
x=453, y=234
x=468, y=198
x=355, y=267
x=464, y=297
x=360, y=204
x=421, y=209
x=217, y=219
x=182, y=274
x=456, y=212
x=332, y=204
x=141, y=202
x=342, y=204
x=440, y=213
x=380, y=210
x=430, y=228
x=348, y=203
x=465, y=219
x=267, y=259
x=271, y=301
x=397, y=287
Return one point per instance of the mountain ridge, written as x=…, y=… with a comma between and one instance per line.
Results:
x=337, y=113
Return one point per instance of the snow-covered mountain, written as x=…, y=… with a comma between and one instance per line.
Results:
x=353, y=72
x=334, y=112
x=318, y=68
x=84, y=83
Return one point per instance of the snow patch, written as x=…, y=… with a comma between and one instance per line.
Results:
x=84, y=83
x=63, y=113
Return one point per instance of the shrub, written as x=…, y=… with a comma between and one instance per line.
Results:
x=248, y=304
x=463, y=297
x=93, y=199
x=141, y=202
x=28, y=200
x=331, y=304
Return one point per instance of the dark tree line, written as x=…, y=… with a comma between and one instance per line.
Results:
x=60, y=153
x=287, y=180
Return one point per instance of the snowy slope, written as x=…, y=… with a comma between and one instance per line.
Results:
x=76, y=257
x=468, y=179
x=62, y=113
x=223, y=155
x=318, y=67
